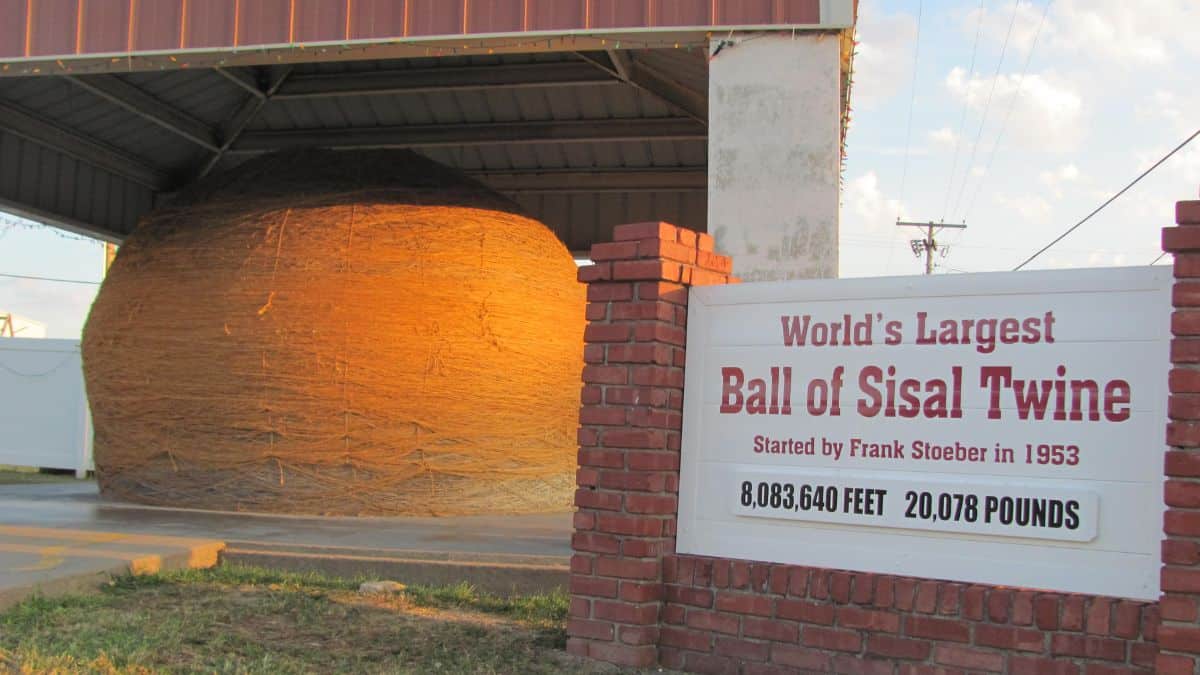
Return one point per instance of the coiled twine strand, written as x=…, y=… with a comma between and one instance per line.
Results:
x=344, y=355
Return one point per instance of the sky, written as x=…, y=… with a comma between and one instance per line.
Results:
x=1019, y=133
x=1020, y=126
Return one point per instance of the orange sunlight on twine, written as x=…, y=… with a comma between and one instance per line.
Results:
x=338, y=333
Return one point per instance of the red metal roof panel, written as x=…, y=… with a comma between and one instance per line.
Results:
x=799, y=11
x=68, y=27
x=680, y=12
x=754, y=12
x=617, y=13
x=376, y=18
x=52, y=27
x=156, y=24
x=435, y=17
x=495, y=16
x=12, y=28
x=264, y=22
x=320, y=20
x=105, y=27
x=543, y=15
x=209, y=23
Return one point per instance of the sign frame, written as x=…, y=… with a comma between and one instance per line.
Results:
x=1064, y=566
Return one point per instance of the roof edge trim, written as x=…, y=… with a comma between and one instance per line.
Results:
x=390, y=48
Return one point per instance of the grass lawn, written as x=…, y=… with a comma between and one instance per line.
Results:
x=248, y=620
x=15, y=475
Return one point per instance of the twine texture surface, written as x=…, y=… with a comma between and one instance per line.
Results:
x=316, y=332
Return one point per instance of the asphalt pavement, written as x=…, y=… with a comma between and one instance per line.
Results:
x=59, y=537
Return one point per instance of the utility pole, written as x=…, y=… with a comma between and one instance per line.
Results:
x=929, y=244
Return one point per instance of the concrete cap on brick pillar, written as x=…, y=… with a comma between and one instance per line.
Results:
x=1183, y=241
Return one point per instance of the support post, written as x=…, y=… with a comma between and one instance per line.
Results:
x=629, y=437
x=1179, y=634
x=774, y=153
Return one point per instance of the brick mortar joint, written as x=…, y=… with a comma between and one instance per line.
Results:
x=1177, y=622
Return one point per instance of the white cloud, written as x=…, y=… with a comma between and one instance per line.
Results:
x=1125, y=34
x=895, y=150
x=996, y=21
x=1153, y=200
x=1109, y=90
x=1047, y=115
x=1032, y=209
x=870, y=208
x=945, y=137
x=1055, y=178
x=1103, y=258
x=883, y=64
x=1161, y=105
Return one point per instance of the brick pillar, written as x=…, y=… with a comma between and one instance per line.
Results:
x=1179, y=635
x=630, y=421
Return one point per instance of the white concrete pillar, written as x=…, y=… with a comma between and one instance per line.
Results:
x=774, y=153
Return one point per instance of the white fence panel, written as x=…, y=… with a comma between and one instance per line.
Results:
x=44, y=418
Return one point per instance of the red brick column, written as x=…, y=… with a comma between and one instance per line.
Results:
x=1179, y=635
x=630, y=421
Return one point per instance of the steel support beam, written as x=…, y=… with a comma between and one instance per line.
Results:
x=684, y=179
x=118, y=91
x=241, y=119
x=421, y=80
x=499, y=133
x=243, y=78
x=101, y=155
x=623, y=65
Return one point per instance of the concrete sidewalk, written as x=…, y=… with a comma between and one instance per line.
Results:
x=58, y=531
x=50, y=561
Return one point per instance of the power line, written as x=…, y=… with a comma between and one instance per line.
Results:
x=1012, y=103
x=1160, y=257
x=962, y=120
x=60, y=281
x=987, y=107
x=1109, y=200
x=912, y=99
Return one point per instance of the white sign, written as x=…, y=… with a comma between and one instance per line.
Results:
x=993, y=428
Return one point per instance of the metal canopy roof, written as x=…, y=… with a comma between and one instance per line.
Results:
x=579, y=147
x=586, y=126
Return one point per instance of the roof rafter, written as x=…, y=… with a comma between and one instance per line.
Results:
x=622, y=65
x=674, y=179
x=138, y=102
x=420, y=80
x=497, y=133
x=246, y=113
x=28, y=125
x=242, y=77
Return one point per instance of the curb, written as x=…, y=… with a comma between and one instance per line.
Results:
x=501, y=574
x=199, y=556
